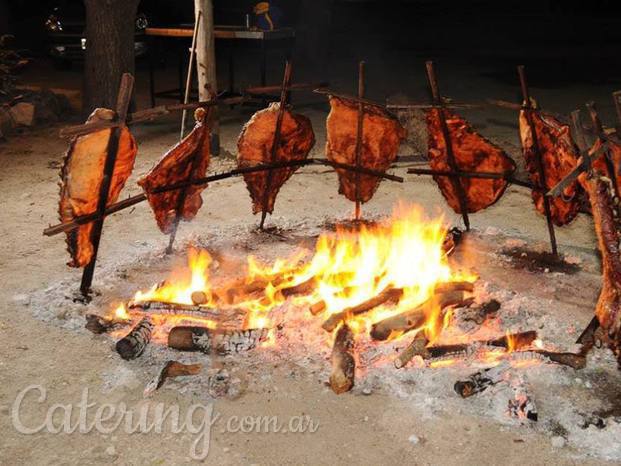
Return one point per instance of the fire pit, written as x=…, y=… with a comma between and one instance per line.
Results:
x=364, y=285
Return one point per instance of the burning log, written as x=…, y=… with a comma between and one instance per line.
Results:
x=409, y=320
x=171, y=370
x=418, y=347
x=389, y=294
x=481, y=380
x=220, y=341
x=161, y=307
x=573, y=360
x=343, y=363
x=102, y=324
x=317, y=307
x=134, y=343
x=392, y=295
x=302, y=288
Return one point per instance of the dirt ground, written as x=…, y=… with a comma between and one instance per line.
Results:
x=353, y=428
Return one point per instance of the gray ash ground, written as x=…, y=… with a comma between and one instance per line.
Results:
x=577, y=408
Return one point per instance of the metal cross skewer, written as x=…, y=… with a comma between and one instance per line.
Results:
x=528, y=109
x=359, y=135
x=450, y=156
x=284, y=92
x=122, y=104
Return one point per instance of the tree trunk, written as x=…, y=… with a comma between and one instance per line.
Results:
x=110, y=29
x=206, y=65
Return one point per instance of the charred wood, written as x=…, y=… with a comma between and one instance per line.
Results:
x=481, y=380
x=343, y=363
x=414, y=318
x=171, y=370
x=102, y=324
x=219, y=341
x=134, y=343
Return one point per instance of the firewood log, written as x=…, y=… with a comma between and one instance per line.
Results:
x=387, y=295
x=409, y=320
x=134, y=343
x=481, y=380
x=102, y=324
x=171, y=370
x=343, y=363
x=219, y=341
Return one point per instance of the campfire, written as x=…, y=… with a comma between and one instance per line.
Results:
x=364, y=284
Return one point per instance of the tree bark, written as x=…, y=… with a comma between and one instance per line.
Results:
x=110, y=29
x=206, y=65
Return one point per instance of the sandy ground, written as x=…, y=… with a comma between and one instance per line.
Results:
x=353, y=428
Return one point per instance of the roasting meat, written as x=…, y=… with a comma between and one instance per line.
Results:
x=605, y=218
x=381, y=136
x=187, y=160
x=255, y=148
x=473, y=153
x=559, y=155
x=81, y=177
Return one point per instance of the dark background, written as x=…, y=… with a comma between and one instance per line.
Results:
x=560, y=42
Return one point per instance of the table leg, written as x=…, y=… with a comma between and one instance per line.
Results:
x=231, y=69
x=263, y=62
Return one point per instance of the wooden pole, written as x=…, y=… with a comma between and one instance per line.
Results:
x=122, y=104
x=284, y=92
x=450, y=156
x=527, y=107
x=359, y=134
x=138, y=198
x=598, y=128
x=206, y=64
x=616, y=97
x=188, y=78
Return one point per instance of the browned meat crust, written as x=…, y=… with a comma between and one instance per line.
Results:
x=608, y=308
x=187, y=160
x=81, y=177
x=381, y=136
x=559, y=156
x=255, y=146
x=473, y=153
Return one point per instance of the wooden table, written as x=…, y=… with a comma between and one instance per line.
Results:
x=230, y=33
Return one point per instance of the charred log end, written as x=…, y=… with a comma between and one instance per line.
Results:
x=182, y=338
x=465, y=388
x=96, y=324
x=343, y=363
x=134, y=343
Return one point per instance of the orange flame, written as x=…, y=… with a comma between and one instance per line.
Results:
x=347, y=267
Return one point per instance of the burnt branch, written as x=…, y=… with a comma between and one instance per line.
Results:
x=343, y=363
x=218, y=341
x=134, y=343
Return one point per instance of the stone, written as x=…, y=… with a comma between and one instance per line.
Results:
x=558, y=441
x=111, y=451
x=413, y=439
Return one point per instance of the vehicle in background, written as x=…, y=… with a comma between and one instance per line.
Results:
x=66, y=30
